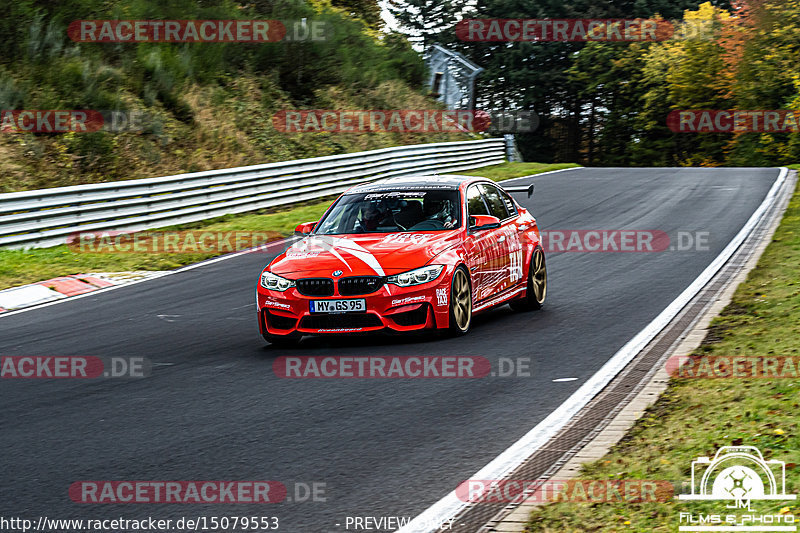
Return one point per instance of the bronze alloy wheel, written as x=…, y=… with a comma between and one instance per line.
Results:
x=460, y=302
x=537, y=284
x=539, y=277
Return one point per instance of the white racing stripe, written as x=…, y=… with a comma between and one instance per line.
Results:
x=326, y=243
x=334, y=244
x=505, y=463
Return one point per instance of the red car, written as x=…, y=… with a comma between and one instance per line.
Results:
x=405, y=254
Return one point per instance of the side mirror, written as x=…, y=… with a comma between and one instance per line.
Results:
x=483, y=222
x=305, y=228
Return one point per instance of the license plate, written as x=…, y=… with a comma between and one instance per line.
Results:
x=338, y=306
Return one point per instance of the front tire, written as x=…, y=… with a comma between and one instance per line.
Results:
x=460, y=303
x=537, y=284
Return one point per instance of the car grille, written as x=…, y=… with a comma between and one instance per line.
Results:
x=315, y=286
x=417, y=317
x=343, y=320
x=359, y=285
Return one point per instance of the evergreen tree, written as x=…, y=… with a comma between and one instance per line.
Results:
x=426, y=21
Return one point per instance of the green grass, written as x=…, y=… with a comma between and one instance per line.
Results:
x=18, y=267
x=695, y=417
x=282, y=221
x=506, y=171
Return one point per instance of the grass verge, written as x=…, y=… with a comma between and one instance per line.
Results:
x=505, y=171
x=18, y=267
x=695, y=417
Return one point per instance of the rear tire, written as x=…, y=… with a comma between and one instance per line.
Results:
x=537, y=284
x=460, y=303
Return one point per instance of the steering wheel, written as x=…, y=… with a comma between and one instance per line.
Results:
x=394, y=219
x=428, y=225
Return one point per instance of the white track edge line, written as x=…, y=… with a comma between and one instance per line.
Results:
x=450, y=505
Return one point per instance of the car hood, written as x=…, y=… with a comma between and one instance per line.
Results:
x=361, y=255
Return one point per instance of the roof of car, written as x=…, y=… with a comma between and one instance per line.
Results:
x=440, y=181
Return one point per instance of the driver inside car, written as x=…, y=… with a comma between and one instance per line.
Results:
x=373, y=217
x=438, y=208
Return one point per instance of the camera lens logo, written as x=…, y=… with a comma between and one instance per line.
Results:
x=738, y=473
x=739, y=482
x=738, y=476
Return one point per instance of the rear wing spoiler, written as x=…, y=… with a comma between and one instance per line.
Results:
x=524, y=188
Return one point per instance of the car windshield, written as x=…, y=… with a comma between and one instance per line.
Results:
x=393, y=211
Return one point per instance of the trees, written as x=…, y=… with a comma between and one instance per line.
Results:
x=768, y=77
x=588, y=95
x=425, y=21
x=607, y=103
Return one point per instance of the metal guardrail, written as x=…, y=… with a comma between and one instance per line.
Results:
x=46, y=217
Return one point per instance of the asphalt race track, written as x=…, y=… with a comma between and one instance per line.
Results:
x=214, y=410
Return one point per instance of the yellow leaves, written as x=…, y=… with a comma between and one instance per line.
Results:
x=789, y=5
x=706, y=11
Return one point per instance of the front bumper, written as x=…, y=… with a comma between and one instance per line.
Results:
x=392, y=308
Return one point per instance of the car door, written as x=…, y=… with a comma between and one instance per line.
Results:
x=505, y=237
x=516, y=252
x=484, y=249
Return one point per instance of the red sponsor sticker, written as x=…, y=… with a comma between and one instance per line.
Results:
x=176, y=31
x=734, y=367
x=734, y=121
x=50, y=367
x=572, y=490
x=382, y=367
x=381, y=121
x=177, y=492
x=604, y=240
x=50, y=121
x=564, y=30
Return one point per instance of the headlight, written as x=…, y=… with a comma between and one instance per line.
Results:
x=417, y=276
x=275, y=283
